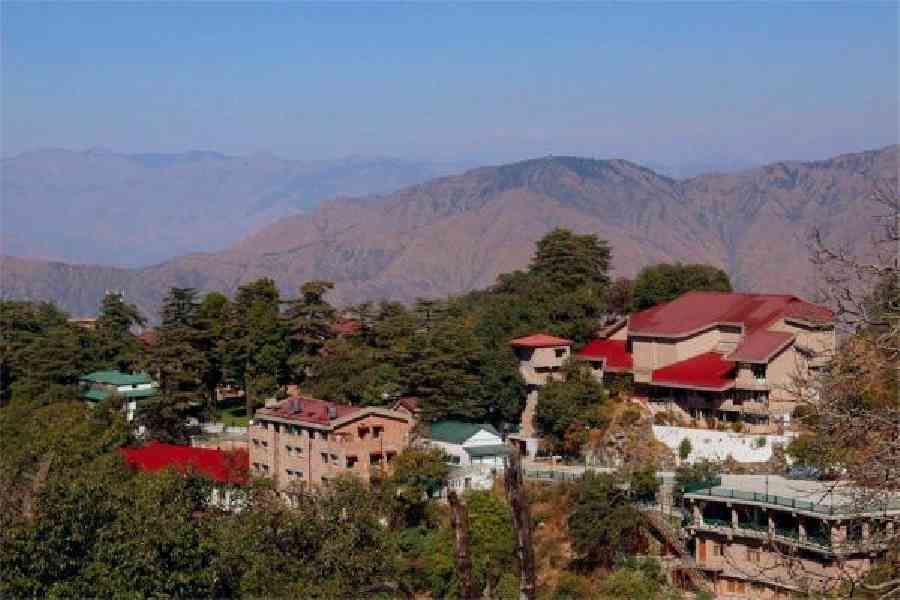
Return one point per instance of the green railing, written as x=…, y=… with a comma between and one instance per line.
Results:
x=784, y=532
x=713, y=522
x=752, y=526
x=693, y=488
x=790, y=502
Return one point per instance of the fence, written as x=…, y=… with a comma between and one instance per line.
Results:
x=789, y=502
x=222, y=428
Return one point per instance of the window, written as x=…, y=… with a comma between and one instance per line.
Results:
x=334, y=458
x=325, y=457
x=255, y=442
x=454, y=459
x=759, y=372
x=264, y=443
x=376, y=432
x=323, y=435
x=560, y=352
x=295, y=474
x=265, y=468
x=717, y=549
x=351, y=461
x=277, y=427
x=753, y=555
x=374, y=459
x=363, y=432
x=390, y=456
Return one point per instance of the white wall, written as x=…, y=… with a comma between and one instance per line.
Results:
x=718, y=445
x=482, y=438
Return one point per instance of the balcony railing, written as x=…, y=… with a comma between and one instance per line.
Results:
x=705, y=489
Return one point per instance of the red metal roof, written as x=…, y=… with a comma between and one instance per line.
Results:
x=311, y=410
x=615, y=352
x=705, y=371
x=540, y=340
x=223, y=466
x=695, y=311
x=347, y=327
x=760, y=346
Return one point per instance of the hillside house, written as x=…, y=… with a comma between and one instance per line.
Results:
x=468, y=443
x=769, y=537
x=304, y=442
x=717, y=356
x=227, y=470
x=541, y=356
x=132, y=388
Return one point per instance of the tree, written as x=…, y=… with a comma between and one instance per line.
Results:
x=643, y=484
x=311, y=319
x=700, y=474
x=118, y=347
x=491, y=536
x=417, y=476
x=568, y=408
x=179, y=359
x=664, y=282
x=255, y=345
x=603, y=524
x=570, y=260
x=211, y=321
x=620, y=296
x=684, y=449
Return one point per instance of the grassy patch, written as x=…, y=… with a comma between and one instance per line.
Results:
x=232, y=412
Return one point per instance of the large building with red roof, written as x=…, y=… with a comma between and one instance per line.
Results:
x=302, y=442
x=718, y=355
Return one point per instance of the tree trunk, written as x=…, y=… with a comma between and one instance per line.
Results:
x=459, y=518
x=521, y=513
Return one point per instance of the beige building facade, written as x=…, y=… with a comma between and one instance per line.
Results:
x=714, y=356
x=787, y=538
x=301, y=443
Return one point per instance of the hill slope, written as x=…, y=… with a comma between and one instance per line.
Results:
x=139, y=209
x=457, y=233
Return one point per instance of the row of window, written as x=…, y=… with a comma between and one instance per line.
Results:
x=260, y=467
x=363, y=432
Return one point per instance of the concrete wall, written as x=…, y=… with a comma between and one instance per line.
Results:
x=718, y=445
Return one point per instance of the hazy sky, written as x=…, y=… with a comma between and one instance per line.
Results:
x=671, y=83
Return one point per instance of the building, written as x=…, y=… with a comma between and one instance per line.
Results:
x=468, y=444
x=718, y=356
x=226, y=469
x=408, y=405
x=541, y=356
x=760, y=536
x=303, y=442
x=100, y=385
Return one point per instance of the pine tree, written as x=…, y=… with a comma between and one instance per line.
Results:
x=179, y=361
x=310, y=319
x=117, y=347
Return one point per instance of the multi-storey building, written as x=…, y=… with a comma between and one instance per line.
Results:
x=718, y=356
x=302, y=442
x=770, y=537
x=541, y=356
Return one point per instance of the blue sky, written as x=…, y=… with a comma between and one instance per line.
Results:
x=670, y=83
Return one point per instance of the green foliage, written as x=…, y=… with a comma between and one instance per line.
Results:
x=491, y=537
x=310, y=320
x=255, y=346
x=41, y=353
x=572, y=586
x=179, y=359
x=568, y=408
x=702, y=473
x=604, y=524
x=664, y=282
x=643, y=484
x=685, y=448
x=569, y=260
x=118, y=348
x=635, y=579
x=418, y=475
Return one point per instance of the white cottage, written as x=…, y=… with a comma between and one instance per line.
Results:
x=469, y=443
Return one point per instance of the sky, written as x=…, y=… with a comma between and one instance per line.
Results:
x=671, y=83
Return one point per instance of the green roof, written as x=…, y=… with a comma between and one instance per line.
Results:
x=116, y=378
x=98, y=395
x=495, y=450
x=457, y=432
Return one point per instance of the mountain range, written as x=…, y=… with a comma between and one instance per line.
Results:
x=456, y=233
x=103, y=207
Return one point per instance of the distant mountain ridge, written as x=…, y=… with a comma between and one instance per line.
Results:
x=138, y=209
x=456, y=233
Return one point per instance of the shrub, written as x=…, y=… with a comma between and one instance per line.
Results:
x=630, y=416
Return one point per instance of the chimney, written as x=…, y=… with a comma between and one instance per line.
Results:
x=332, y=411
